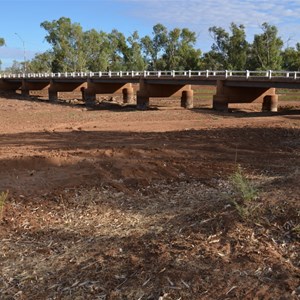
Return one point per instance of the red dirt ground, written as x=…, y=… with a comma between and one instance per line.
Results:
x=115, y=203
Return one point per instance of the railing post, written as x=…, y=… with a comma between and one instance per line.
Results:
x=247, y=74
x=190, y=73
x=207, y=73
x=158, y=73
x=270, y=74
x=226, y=73
x=173, y=73
x=295, y=75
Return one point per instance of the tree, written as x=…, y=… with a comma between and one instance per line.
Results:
x=16, y=67
x=2, y=43
x=97, y=50
x=171, y=50
x=229, y=50
x=266, y=49
x=238, y=48
x=118, y=49
x=179, y=51
x=133, y=56
x=41, y=63
x=152, y=48
x=67, y=45
x=291, y=58
x=212, y=60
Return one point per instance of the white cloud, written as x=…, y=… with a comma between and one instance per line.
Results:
x=199, y=15
x=8, y=55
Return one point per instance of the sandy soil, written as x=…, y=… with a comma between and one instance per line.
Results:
x=115, y=203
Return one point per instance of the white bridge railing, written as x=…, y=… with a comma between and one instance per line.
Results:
x=157, y=74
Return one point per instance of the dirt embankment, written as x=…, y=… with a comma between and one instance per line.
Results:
x=116, y=203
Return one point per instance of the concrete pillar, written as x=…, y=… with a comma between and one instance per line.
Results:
x=82, y=90
x=53, y=95
x=128, y=95
x=24, y=89
x=220, y=99
x=90, y=98
x=142, y=101
x=220, y=103
x=270, y=103
x=187, y=99
x=25, y=93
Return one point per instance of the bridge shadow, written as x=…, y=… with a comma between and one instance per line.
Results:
x=243, y=113
x=15, y=96
x=72, y=102
x=285, y=110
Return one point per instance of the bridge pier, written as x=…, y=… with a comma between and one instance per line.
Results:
x=270, y=103
x=89, y=97
x=52, y=95
x=128, y=95
x=234, y=92
x=95, y=87
x=25, y=92
x=10, y=85
x=161, y=89
x=142, y=101
x=187, y=99
x=33, y=85
x=64, y=85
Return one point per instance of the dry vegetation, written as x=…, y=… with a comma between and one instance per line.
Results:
x=164, y=204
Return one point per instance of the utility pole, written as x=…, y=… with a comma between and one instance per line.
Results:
x=24, y=52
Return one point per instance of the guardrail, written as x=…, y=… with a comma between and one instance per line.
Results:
x=157, y=74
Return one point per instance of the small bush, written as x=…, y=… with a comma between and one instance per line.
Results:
x=3, y=197
x=245, y=194
x=242, y=186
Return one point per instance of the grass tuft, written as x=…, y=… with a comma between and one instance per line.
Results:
x=3, y=197
x=245, y=194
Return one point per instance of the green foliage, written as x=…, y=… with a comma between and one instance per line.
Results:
x=41, y=63
x=229, y=50
x=291, y=58
x=245, y=195
x=266, y=49
x=152, y=48
x=134, y=59
x=97, y=50
x=66, y=39
x=16, y=67
x=171, y=50
x=2, y=43
x=73, y=49
x=3, y=198
x=242, y=186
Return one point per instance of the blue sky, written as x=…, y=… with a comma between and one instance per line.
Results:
x=21, y=19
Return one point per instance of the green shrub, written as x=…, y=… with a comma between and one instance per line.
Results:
x=3, y=197
x=245, y=194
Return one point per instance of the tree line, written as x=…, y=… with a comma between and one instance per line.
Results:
x=76, y=50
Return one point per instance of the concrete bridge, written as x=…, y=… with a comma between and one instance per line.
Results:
x=231, y=86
